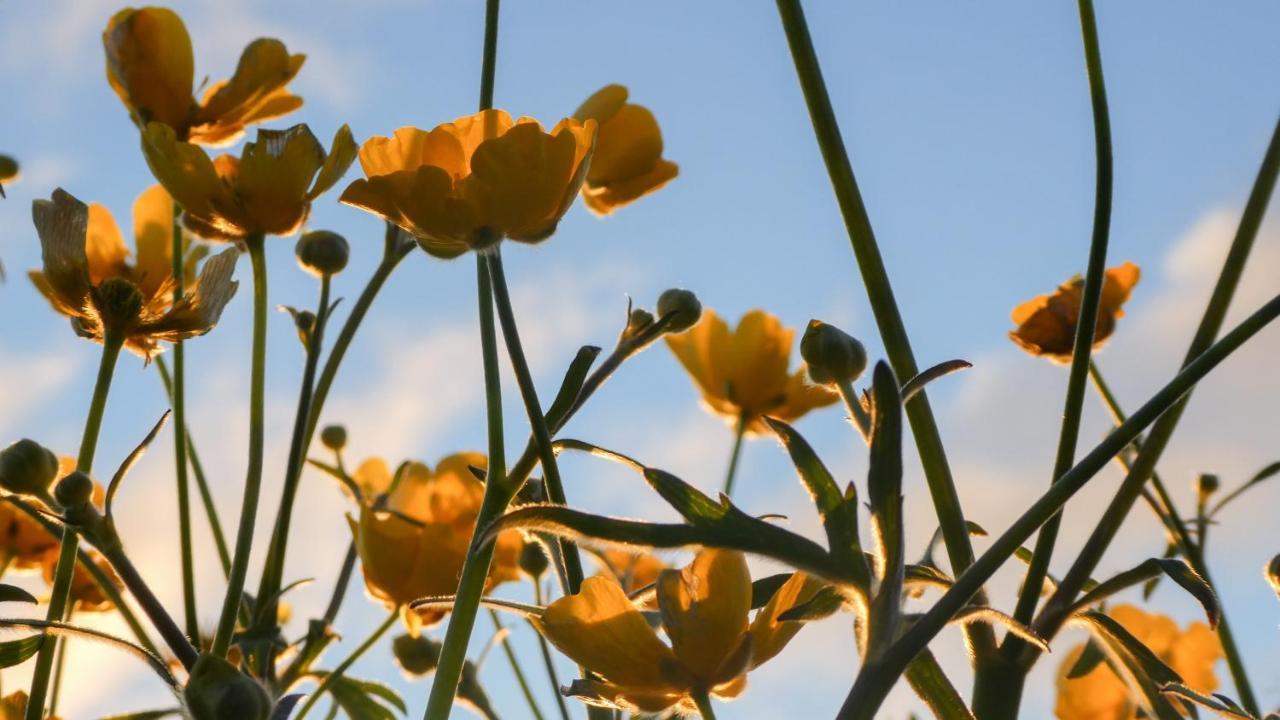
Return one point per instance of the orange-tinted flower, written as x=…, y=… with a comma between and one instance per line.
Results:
x=151, y=67
x=1102, y=695
x=14, y=706
x=23, y=540
x=628, y=161
x=743, y=374
x=88, y=277
x=86, y=596
x=704, y=610
x=268, y=190
x=470, y=183
x=633, y=571
x=414, y=543
x=1047, y=323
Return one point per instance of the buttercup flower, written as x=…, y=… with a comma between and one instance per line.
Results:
x=414, y=544
x=23, y=540
x=1102, y=695
x=151, y=67
x=628, y=162
x=632, y=570
x=704, y=610
x=1047, y=323
x=470, y=183
x=87, y=275
x=86, y=596
x=14, y=706
x=743, y=374
x=267, y=191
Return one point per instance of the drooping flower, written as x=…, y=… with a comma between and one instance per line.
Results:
x=151, y=66
x=1103, y=695
x=88, y=277
x=628, y=162
x=268, y=190
x=1047, y=323
x=743, y=374
x=472, y=182
x=413, y=541
x=704, y=610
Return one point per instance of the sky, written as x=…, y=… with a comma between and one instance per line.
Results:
x=969, y=129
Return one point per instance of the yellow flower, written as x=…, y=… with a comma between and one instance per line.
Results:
x=14, y=706
x=151, y=67
x=743, y=374
x=472, y=182
x=632, y=570
x=87, y=275
x=704, y=610
x=23, y=540
x=628, y=161
x=1102, y=695
x=267, y=191
x=86, y=596
x=413, y=545
x=1047, y=323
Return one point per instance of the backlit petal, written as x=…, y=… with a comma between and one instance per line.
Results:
x=150, y=65
x=104, y=246
x=704, y=610
x=153, y=237
x=768, y=634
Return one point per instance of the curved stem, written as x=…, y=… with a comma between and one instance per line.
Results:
x=337, y=672
x=703, y=701
x=739, y=432
x=65, y=571
x=547, y=658
x=178, y=395
x=516, y=670
x=253, y=477
x=151, y=605
x=893, y=332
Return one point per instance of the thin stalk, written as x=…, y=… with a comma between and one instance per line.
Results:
x=337, y=672
x=58, y=666
x=876, y=679
x=169, y=631
x=547, y=658
x=61, y=591
x=253, y=477
x=703, y=701
x=202, y=482
x=739, y=433
x=884, y=306
x=1192, y=549
x=516, y=670
x=857, y=414
x=340, y=587
x=178, y=395
x=273, y=569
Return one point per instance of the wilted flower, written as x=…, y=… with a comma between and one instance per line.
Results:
x=628, y=161
x=743, y=374
x=267, y=191
x=704, y=609
x=470, y=183
x=151, y=67
x=1102, y=694
x=1047, y=323
x=87, y=275
x=414, y=544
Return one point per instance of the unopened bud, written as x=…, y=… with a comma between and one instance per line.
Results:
x=832, y=355
x=28, y=468
x=217, y=691
x=683, y=306
x=533, y=560
x=321, y=252
x=1273, y=574
x=118, y=301
x=304, y=321
x=417, y=656
x=74, y=491
x=1207, y=484
x=334, y=437
x=8, y=169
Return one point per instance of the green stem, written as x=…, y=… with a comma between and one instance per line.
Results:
x=337, y=672
x=178, y=395
x=61, y=592
x=875, y=680
x=1192, y=549
x=253, y=476
x=857, y=413
x=169, y=631
x=547, y=658
x=739, y=432
x=516, y=670
x=340, y=587
x=703, y=701
x=884, y=307
x=58, y=666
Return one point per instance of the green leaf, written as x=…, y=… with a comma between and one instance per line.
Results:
x=364, y=699
x=149, y=715
x=16, y=652
x=824, y=603
x=942, y=369
x=884, y=493
x=1144, y=669
x=13, y=593
x=1221, y=704
x=284, y=706
x=1089, y=659
x=762, y=590
x=1270, y=471
x=571, y=386
x=692, y=504
x=934, y=688
x=114, y=486
x=1177, y=570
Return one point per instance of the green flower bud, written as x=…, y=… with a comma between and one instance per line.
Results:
x=1207, y=484
x=321, y=252
x=218, y=691
x=119, y=302
x=8, y=169
x=533, y=560
x=334, y=437
x=27, y=468
x=1273, y=574
x=74, y=490
x=833, y=356
x=304, y=321
x=685, y=306
x=417, y=656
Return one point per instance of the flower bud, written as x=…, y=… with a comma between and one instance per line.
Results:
x=685, y=307
x=74, y=490
x=321, y=252
x=27, y=468
x=833, y=356
x=1207, y=484
x=533, y=560
x=217, y=690
x=638, y=321
x=417, y=656
x=304, y=321
x=118, y=301
x=1273, y=574
x=334, y=437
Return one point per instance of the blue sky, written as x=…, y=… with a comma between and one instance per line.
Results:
x=969, y=130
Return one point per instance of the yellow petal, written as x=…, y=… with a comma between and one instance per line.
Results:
x=342, y=152
x=62, y=224
x=275, y=172
x=704, y=610
x=192, y=179
x=410, y=148
x=628, y=145
x=104, y=246
x=150, y=65
x=704, y=352
x=761, y=351
x=601, y=630
x=518, y=181
x=153, y=236
x=1116, y=288
x=373, y=477
x=604, y=104
x=604, y=199
x=252, y=94
x=1098, y=695
x=420, y=202
x=768, y=634
x=473, y=130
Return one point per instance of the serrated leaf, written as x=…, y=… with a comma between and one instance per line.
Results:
x=16, y=652
x=692, y=504
x=824, y=603
x=13, y=593
x=1177, y=570
x=571, y=385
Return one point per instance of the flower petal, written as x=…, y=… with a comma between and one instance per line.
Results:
x=153, y=236
x=254, y=93
x=198, y=311
x=104, y=246
x=604, y=104
x=193, y=180
x=342, y=152
x=275, y=172
x=150, y=65
x=704, y=610
x=769, y=635
x=62, y=224
x=604, y=199
x=761, y=351
x=629, y=144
